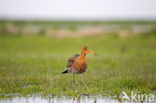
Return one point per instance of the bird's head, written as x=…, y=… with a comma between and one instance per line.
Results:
x=86, y=51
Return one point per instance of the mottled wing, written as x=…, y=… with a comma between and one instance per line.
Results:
x=72, y=60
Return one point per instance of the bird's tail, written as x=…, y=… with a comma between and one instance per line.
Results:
x=66, y=71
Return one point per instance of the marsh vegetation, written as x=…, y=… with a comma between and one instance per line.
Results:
x=32, y=64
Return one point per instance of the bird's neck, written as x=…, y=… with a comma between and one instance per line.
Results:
x=83, y=55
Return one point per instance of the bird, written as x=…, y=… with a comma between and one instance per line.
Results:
x=77, y=64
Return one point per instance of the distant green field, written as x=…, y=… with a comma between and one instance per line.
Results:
x=32, y=64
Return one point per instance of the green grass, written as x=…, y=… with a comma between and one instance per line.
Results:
x=32, y=64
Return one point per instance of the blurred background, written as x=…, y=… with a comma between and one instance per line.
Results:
x=72, y=18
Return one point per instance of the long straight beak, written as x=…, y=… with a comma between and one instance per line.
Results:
x=91, y=52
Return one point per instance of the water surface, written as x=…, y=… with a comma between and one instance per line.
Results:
x=56, y=99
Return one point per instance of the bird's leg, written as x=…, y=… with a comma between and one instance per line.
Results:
x=73, y=79
x=84, y=82
x=73, y=84
x=81, y=78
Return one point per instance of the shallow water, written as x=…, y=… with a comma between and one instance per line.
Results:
x=60, y=99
